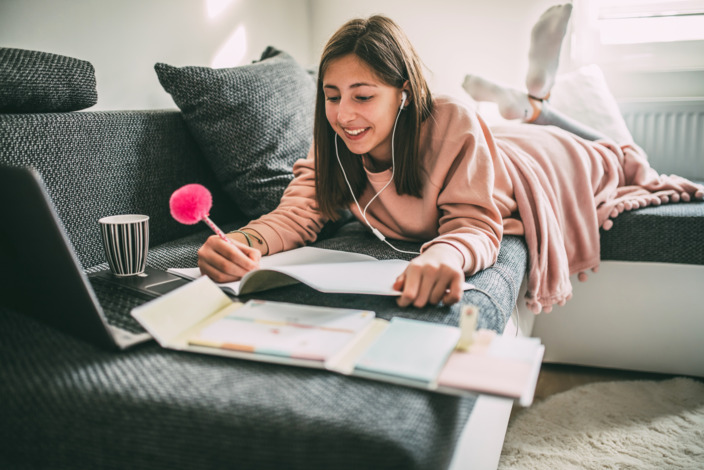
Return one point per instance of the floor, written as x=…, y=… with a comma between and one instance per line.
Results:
x=556, y=378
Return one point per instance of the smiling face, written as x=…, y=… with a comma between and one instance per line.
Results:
x=360, y=107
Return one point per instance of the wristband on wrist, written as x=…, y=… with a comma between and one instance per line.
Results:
x=247, y=236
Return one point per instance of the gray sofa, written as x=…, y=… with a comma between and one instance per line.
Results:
x=65, y=403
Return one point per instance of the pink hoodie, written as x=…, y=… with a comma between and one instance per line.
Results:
x=539, y=181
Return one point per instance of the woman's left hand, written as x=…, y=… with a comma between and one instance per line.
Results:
x=434, y=276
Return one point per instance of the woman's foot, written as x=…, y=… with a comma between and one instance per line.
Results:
x=513, y=104
x=544, y=53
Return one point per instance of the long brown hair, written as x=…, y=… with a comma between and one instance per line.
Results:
x=384, y=47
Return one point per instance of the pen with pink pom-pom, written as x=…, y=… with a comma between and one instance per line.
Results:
x=191, y=204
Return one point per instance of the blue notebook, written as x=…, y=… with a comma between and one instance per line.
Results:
x=410, y=350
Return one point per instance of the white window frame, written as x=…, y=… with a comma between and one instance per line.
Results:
x=639, y=35
x=662, y=68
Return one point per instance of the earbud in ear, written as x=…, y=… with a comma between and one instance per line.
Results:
x=404, y=97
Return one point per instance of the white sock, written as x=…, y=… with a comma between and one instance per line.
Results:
x=544, y=53
x=513, y=104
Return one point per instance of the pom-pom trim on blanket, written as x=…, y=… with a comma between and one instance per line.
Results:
x=627, y=183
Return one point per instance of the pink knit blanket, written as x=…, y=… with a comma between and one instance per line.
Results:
x=565, y=195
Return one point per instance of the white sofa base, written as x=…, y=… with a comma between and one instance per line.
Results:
x=630, y=315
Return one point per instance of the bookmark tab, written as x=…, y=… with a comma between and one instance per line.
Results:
x=468, y=326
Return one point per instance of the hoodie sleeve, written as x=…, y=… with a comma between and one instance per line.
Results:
x=297, y=220
x=475, y=191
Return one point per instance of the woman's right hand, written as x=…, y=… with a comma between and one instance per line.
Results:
x=226, y=262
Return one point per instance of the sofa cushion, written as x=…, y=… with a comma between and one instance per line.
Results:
x=495, y=293
x=671, y=233
x=154, y=404
x=71, y=406
x=33, y=82
x=251, y=122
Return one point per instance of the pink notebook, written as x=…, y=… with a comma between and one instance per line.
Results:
x=499, y=368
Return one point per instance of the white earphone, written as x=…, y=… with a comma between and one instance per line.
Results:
x=374, y=230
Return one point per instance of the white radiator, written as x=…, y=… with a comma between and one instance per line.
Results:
x=671, y=132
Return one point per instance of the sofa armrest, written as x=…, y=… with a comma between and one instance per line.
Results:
x=113, y=162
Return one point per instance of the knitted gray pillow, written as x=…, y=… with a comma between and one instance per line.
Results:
x=252, y=123
x=41, y=82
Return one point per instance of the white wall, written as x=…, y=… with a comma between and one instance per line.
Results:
x=123, y=39
x=453, y=37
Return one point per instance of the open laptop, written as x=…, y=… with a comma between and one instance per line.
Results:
x=40, y=274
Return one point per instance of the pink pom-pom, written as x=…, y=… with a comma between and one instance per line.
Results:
x=190, y=204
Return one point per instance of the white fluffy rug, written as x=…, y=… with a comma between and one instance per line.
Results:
x=611, y=425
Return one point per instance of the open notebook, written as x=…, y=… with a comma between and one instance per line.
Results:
x=200, y=318
x=329, y=271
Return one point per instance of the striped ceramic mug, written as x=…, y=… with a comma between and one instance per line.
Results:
x=126, y=242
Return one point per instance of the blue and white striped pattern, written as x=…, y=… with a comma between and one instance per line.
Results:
x=126, y=242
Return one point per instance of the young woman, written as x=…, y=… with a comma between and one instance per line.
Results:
x=421, y=168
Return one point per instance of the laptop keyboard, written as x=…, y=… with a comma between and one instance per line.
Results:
x=117, y=302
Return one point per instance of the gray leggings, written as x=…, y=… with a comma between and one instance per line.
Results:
x=549, y=116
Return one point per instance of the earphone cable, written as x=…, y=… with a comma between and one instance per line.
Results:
x=393, y=162
x=376, y=232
